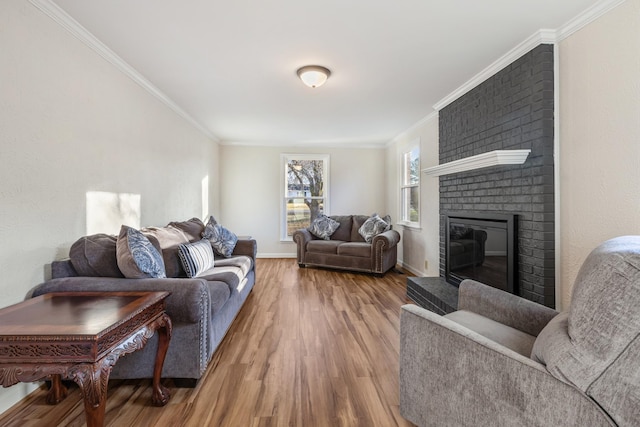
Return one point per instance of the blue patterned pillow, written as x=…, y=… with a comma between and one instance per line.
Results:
x=323, y=227
x=137, y=258
x=196, y=257
x=222, y=240
x=372, y=226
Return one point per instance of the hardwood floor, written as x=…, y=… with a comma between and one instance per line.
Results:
x=311, y=347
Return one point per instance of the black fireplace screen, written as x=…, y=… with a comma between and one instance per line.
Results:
x=481, y=247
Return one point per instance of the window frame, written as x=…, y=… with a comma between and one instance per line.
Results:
x=284, y=161
x=406, y=187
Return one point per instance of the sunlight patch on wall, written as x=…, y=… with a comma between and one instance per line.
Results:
x=106, y=211
x=205, y=197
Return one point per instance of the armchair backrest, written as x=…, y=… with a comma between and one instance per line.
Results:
x=596, y=345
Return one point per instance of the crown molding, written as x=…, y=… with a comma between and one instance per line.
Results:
x=540, y=37
x=61, y=17
x=484, y=160
x=586, y=17
x=413, y=127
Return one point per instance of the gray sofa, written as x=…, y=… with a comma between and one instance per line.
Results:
x=347, y=249
x=201, y=309
x=501, y=360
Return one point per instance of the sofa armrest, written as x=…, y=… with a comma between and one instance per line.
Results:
x=188, y=303
x=248, y=247
x=302, y=237
x=504, y=307
x=450, y=375
x=386, y=240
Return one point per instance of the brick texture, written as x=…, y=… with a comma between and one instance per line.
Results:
x=511, y=110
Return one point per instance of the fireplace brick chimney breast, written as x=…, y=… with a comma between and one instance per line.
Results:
x=514, y=109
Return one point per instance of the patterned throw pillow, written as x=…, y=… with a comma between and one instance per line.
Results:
x=323, y=227
x=373, y=226
x=137, y=258
x=196, y=257
x=222, y=240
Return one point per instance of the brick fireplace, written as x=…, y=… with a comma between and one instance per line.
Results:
x=514, y=109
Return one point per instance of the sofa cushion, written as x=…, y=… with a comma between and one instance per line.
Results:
x=358, y=220
x=360, y=249
x=191, y=228
x=323, y=227
x=222, y=240
x=137, y=257
x=324, y=246
x=343, y=232
x=169, y=238
x=95, y=256
x=196, y=257
x=372, y=227
x=229, y=270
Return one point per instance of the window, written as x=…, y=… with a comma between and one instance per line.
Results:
x=306, y=191
x=410, y=187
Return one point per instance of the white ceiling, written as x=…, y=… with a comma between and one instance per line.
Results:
x=231, y=65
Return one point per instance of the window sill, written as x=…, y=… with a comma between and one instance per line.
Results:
x=410, y=225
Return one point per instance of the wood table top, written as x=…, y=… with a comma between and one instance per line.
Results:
x=79, y=314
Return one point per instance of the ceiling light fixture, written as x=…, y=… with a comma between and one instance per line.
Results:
x=313, y=75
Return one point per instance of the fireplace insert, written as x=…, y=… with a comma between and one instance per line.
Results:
x=482, y=247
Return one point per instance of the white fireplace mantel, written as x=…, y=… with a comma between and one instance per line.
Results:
x=484, y=160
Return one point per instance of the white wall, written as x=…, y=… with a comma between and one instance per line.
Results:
x=71, y=123
x=599, y=136
x=418, y=245
x=250, y=196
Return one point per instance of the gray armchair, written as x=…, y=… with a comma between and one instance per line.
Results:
x=501, y=360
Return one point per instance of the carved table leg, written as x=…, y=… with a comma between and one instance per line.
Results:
x=57, y=392
x=93, y=381
x=160, y=393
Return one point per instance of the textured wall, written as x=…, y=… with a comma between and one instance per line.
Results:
x=71, y=123
x=599, y=136
x=511, y=110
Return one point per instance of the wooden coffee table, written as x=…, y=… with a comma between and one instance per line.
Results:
x=79, y=336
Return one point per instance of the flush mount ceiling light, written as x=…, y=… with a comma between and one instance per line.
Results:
x=313, y=75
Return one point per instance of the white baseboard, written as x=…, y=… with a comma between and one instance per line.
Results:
x=274, y=255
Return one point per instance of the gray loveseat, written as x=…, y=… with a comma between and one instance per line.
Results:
x=347, y=249
x=501, y=360
x=201, y=309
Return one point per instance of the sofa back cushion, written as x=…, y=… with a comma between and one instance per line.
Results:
x=191, y=228
x=95, y=256
x=344, y=230
x=358, y=220
x=170, y=238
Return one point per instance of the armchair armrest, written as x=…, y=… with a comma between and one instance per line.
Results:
x=503, y=307
x=188, y=303
x=451, y=375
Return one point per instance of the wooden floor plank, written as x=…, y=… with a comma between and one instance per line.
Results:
x=310, y=347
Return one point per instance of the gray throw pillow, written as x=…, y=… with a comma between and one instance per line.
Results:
x=196, y=257
x=372, y=227
x=136, y=256
x=323, y=227
x=222, y=240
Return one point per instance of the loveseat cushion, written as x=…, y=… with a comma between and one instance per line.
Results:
x=95, y=256
x=343, y=232
x=372, y=227
x=359, y=249
x=358, y=220
x=323, y=227
x=324, y=246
